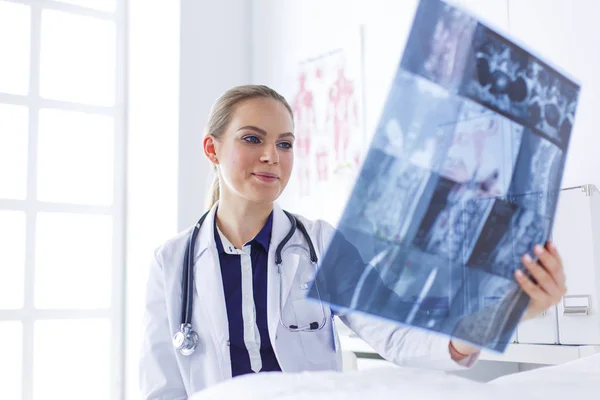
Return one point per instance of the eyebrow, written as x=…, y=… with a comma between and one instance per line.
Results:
x=263, y=132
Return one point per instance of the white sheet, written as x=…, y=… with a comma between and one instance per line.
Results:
x=575, y=380
x=579, y=374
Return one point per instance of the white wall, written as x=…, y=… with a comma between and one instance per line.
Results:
x=215, y=55
x=151, y=155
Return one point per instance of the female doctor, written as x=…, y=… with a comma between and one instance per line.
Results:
x=248, y=315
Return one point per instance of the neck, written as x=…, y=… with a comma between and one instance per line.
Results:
x=240, y=221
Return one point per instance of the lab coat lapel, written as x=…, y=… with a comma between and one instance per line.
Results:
x=208, y=279
x=281, y=227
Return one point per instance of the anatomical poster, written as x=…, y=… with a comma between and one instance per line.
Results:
x=330, y=141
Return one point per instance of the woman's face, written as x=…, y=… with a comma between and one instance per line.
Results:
x=255, y=155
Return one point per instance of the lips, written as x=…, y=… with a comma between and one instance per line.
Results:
x=266, y=176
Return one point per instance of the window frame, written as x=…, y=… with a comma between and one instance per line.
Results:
x=28, y=314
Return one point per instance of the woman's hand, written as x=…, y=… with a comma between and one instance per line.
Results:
x=550, y=288
x=550, y=276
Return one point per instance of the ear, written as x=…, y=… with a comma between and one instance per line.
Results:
x=210, y=148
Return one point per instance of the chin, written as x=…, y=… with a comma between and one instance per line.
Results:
x=265, y=197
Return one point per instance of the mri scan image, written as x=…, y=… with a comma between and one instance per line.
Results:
x=460, y=181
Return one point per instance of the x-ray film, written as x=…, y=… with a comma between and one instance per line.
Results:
x=461, y=179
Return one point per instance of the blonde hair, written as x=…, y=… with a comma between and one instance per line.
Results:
x=221, y=114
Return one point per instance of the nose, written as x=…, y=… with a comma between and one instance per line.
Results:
x=270, y=155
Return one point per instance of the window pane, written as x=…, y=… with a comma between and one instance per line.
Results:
x=11, y=348
x=12, y=267
x=14, y=131
x=101, y=5
x=71, y=359
x=75, y=157
x=15, y=36
x=77, y=61
x=73, y=261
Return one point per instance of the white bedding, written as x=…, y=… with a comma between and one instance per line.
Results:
x=572, y=381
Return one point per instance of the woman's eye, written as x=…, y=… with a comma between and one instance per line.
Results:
x=251, y=139
x=285, y=145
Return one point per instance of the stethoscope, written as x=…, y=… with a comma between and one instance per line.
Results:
x=187, y=339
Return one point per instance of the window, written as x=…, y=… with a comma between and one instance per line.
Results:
x=62, y=137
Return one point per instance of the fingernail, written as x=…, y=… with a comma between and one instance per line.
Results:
x=519, y=273
x=538, y=249
x=527, y=258
x=551, y=244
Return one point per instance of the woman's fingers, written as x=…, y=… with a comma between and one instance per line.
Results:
x=534, y=291
x=547, y=283
x=542, y=276
x=560, y=274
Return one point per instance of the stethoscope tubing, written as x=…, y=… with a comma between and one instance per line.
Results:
x=188, y=271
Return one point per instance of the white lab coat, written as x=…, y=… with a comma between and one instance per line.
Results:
x=166, y=374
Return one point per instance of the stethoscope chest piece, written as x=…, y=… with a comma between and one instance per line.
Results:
x=186, y=340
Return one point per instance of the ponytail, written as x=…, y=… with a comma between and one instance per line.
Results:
x=214, y=192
